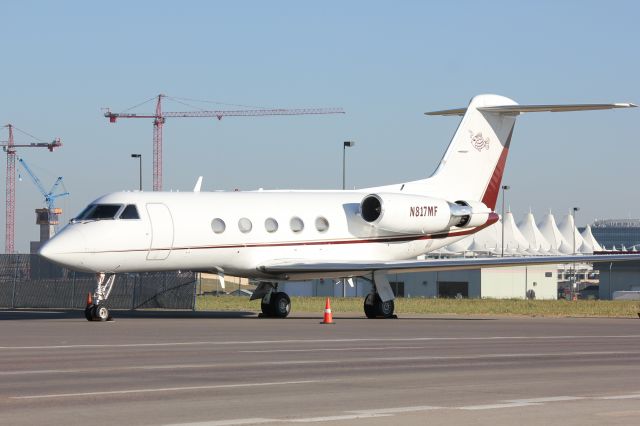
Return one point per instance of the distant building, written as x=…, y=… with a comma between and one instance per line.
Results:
x=617, y=232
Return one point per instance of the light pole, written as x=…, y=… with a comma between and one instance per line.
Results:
x=575, y=227
x=504, y=188
x=345, y=144
x=344, y=149
x=139, y=157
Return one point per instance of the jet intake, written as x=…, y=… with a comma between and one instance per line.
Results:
x=415, y=214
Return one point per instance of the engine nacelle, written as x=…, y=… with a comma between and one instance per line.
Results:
x=406, y=214
x=415, y=214
x=469, y=214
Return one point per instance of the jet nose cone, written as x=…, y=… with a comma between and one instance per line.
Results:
x=68, y=248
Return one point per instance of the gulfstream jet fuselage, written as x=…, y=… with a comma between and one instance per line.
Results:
x=282, y=235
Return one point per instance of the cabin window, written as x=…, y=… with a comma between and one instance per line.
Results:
x=296, y=224
x=271, y=225
x=322, y=224
x=130, y=212
x=244, y=225
x=99, y=212
x=218, y=226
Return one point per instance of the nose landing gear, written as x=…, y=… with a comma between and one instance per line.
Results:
x=97, y=310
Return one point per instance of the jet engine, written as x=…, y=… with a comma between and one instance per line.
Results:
x=415, y=214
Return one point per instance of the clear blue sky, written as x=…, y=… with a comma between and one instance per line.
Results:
x=384, y=62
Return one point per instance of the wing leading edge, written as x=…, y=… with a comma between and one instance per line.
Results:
x=303, y=269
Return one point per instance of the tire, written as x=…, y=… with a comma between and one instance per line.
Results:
x=88, y=312
x=370, y=306
x=280, y=305
x=385, y=309
x=267, y=310
x=100, y=313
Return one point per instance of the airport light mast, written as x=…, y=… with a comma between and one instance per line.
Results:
x=10, y=148
x=159, y=117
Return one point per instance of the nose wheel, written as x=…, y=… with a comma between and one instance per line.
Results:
x=97, y=313
x=96, y=309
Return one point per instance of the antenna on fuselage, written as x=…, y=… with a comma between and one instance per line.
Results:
x=198, y=184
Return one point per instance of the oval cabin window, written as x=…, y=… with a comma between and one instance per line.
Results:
x=218, y=226
x=296, y=224
x=322, y=224
x=271, y=225
x=244, y=225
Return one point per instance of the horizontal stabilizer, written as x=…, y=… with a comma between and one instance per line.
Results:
x=519, y=109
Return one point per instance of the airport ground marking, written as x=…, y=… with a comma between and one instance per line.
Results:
x=172, y=389
x=475, y=357
x=303, y=341
x=393, y=411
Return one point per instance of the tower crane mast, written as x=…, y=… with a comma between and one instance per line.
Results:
x=160, y=117
x=9, y=146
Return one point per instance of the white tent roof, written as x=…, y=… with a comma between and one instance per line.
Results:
x=569, y=231
x=530, y=231
x=589, y=240
x=514, y=241
x=552, y=234
x=461, y=246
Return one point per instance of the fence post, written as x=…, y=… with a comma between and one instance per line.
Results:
x=15, y=278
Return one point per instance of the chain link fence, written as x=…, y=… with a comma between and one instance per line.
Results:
x=29, y=281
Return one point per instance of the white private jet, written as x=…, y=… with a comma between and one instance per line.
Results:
x=297, y=235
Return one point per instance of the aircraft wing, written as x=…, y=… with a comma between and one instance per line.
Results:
x=305, y=269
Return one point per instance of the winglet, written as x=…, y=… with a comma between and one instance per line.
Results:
x=198, y=184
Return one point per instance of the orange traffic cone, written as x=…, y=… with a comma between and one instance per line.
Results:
x=328, y=317
x=89, y=299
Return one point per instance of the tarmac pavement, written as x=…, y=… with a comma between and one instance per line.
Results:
x=233, y=368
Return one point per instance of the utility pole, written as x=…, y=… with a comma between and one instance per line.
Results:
x=504, y=188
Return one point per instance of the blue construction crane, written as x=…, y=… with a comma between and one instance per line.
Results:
x=50, y=196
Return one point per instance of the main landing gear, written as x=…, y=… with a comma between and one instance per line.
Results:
x=374, y=307
x=379, y=303
x=274, y=304
x=96, y=309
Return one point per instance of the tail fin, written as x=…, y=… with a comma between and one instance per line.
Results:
x=472, y=167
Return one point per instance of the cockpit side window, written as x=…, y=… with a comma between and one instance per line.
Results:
x=100, y=211
x=130, y=212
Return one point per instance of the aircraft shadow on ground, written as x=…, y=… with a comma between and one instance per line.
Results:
x=49, y=314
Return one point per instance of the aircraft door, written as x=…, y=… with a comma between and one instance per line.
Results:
x=161, y=231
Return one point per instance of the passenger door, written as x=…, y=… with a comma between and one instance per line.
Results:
x=161, y=231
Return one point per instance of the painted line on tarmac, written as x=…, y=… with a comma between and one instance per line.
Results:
x=628, y=396
x=302, y=341
x=476, y=357
x=393, y=411
x=173, y=389
x=496, y=406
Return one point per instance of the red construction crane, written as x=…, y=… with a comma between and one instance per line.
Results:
x=10, y=148
x=159, y=118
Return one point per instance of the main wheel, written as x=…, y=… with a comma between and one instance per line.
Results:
x=385, y=309
x=100, y=313
x=370, y=305
x=280, y=304
x=267, y=308
x=88, y=312
x=374, y=307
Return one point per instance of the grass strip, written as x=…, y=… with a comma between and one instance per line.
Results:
x=416, y=305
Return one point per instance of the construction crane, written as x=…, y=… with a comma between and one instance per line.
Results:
x=160, y=117
x=52, y=213
x=10, y=148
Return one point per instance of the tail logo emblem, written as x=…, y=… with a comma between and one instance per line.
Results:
x=478, y=141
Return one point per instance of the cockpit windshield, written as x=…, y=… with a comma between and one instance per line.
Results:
x=99, y=212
